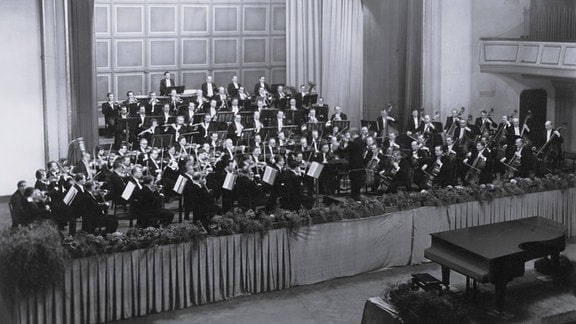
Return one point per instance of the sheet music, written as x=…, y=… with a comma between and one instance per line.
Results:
x=180, y=183
x=229, y=181
x=270, y=175
x=70, y=196
x=315, y=170
x=128, y=191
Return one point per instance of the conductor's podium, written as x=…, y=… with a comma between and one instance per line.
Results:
x=496, y=253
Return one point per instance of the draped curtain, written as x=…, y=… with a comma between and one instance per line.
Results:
x=325, y=45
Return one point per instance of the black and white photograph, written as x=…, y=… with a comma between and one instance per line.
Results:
x=288, y=161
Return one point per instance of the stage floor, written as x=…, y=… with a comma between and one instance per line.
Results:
x=342, y=300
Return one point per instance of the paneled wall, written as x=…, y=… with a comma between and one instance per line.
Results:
x=137, y=40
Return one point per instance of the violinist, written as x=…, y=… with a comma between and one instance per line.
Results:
x=293, y=197
x=256, y=142
x=42, y=182
x=150, y=206
x=117, y=183
x=35, y=206
x=153, y=165
x=248, y=190
x=199, y=199
x=96, y=211
x=123, y=150
x=315, y=141
x=228, y=196
x=278, y=164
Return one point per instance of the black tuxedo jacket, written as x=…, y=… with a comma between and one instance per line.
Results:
x=110, y=111
x=163, y=87
x=343, y=116
x=205, y=89
x=411, y=127
x=232, y=90
x=257, y=87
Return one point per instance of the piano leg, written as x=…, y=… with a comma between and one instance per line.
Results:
x=446, y=277
x=500, y=291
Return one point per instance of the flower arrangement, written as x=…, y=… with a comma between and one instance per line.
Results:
x=417, y=306
x=33, y=258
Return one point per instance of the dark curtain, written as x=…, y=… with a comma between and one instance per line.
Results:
x=84, y=118
x=392, y=57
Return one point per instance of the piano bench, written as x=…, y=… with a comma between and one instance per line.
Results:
x=427, y=282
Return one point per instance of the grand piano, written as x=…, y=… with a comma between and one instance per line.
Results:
x=496, y=253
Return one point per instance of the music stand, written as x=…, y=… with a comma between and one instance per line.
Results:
x=161, y=141
x=281, y=103
x=179, y=89
x=322, y=112
x=269, y=131
x=319, y=126
x=294, y=115
x=290, y=129
x=246, y=135
x=309, y=100
x=127, y=124
x=133, y=108
x=188, y=136
x=225, y=117
x=245, y=116
x=268, y=114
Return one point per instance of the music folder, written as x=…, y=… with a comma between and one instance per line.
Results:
x=270, y=175
x=315, y=170
x=128, y=191
x=179, y=185
x=70, y=196
x=229, y=181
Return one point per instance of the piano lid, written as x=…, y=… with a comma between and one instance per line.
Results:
x=502, y=239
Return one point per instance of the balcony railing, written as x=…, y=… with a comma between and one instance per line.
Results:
x=547, y=59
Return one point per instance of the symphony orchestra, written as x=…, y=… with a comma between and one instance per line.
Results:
x=221, y=147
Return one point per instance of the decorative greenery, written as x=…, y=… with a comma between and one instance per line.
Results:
x=33, y=258
x=562, y=270
x=418, y=306
x=83, y=245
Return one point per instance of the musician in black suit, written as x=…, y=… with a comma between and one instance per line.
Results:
x=294, y=196
x=209, y=89
x=83, y=166
x=550, y=145
x=110, y=111
x=17, y=203
x=165, y=83
x=414, y=122
x=484, y=121
x=521, y=159
x=300, y=96
x=261, y=84
x=357, y=173
x=150, y=206
x=233, y=87
x=235, y=128
x=96, y=211
x=166, y=116
x=338, y=114
x=451, y=119
x=383, y=123
x=199, y=199
x=281, y=98
x=116, y=183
